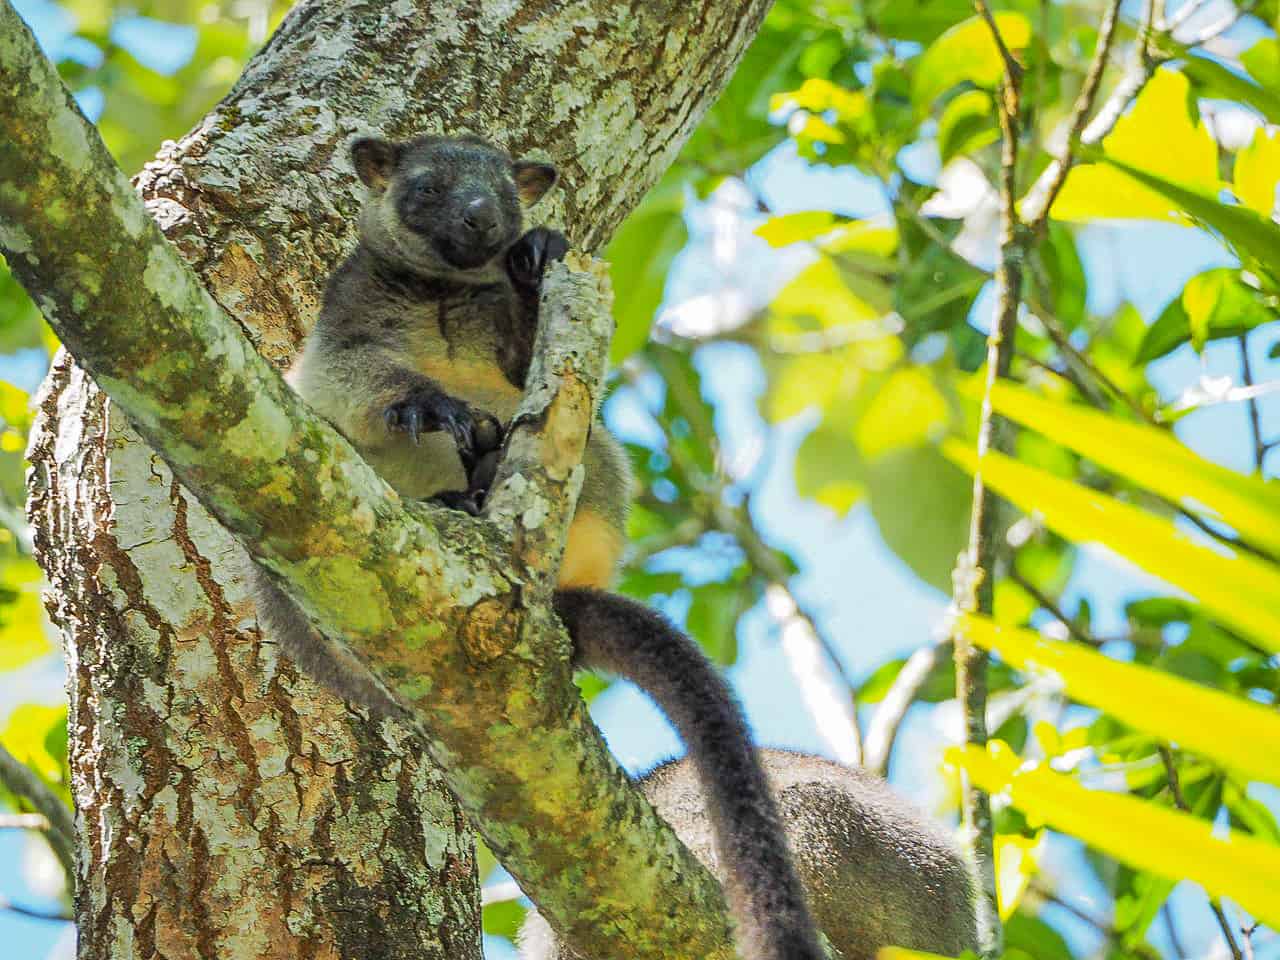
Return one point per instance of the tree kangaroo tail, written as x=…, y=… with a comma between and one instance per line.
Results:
x=625, y=637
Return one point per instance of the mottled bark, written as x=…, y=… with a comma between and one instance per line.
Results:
x=228, y=807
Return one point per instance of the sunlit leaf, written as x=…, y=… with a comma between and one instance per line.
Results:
x=967, y=125
x=967, y=53
x=27, y=735
x=828, y=470
x=1017, y=862
x=639, y=255
x=793, y=227
x=1187, y=154
x=1212, y=305
x=23, y=636
x=1195, y=717
x=920, y=504
x=1152, y=458
x=1212, y=79
x=1241, y=590
x=906, y=411
x=1251, y=234
x=1235, y=865
x=1257, y=172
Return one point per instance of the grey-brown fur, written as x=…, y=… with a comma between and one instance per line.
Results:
x=419, y=358
x=876, y=871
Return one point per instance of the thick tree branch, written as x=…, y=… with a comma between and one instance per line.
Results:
x=481, y=671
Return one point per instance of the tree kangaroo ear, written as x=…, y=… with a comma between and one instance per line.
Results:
x=533, y=180
x=375, y=160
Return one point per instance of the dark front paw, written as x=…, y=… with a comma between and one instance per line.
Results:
x=467, y=501
x=474, y=432
x=528, y=257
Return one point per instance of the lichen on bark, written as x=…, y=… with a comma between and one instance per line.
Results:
x=229, y=807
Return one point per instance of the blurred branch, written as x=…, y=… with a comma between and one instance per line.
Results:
x=888, y=717
x=1255, y=420
x=814, y=659
x=56, y=916
x=975, y=573
x=1145, y=951
x=61, y=831
x=1048, y=604
x=23, y=821
x=1146, y=59
x=1180, y=801
x=1035, y=207
x=1171, y=928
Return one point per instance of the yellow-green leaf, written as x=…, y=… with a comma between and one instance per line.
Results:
x=1152, y=458
x=1198, y=718
x=23, y=636
x=1257, y=172
x=1241, y=590
x=967, y=53
x=906, y=411
x=1252, y=235
x=1235, y=865
x=1187, y=154
x=793, y=227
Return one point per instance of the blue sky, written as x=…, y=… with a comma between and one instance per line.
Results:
x=868, y=601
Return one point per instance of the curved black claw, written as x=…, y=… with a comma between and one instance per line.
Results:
x=474, y=432
x=528, y=257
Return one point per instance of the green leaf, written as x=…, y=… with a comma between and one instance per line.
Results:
x=1195, y=717
x=1253, y=236
x=907, y=411
x=1241, y=590
x=1214, y=80
x=1155, y=459
x=790, y=228
x=919, y=21
x=1257, y=171
x=1212, y=305
x=714, y=614
x=23, y=636
x=503, y=919
x=966, y=53
x=639, y=255
x=921, y=504
x=1187, y=154
x=967, y=125
x=828, y=470
x=1262, y=60
x=1235, y=865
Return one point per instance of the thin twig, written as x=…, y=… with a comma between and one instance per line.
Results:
x=1012, y=68
x=889, y=714
x=21, y=782
x=1083, y=106
x=976, y=569
x=1180, y=801
x=56, y=916
x=23, y=821
x=1143, y=67
x=1171, y=928
x=1047, y=602
x=1102, y=926
x=792, y=616
x=1255, y=419
x=1246, y=939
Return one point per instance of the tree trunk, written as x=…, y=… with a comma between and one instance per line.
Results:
x=227, y=806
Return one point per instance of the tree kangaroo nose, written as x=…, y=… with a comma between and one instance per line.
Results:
x=480, y=216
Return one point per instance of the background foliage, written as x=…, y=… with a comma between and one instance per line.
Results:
x=1136, y=766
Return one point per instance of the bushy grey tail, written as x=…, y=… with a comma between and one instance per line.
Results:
x=765, y=894
x=328, y=662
